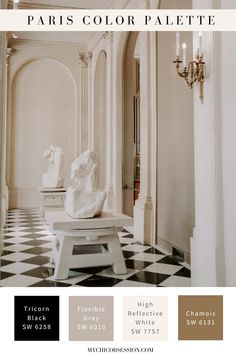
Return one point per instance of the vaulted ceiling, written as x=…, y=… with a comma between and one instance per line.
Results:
x=76, y=4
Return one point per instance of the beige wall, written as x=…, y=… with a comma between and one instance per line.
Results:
x=175, y=143
x=175, y=148
x=228, y=122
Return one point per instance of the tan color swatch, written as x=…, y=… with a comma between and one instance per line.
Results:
x=200, y=317
x=91, y=318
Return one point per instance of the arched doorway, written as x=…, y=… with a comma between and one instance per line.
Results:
x=144, y=208
x=131, y=123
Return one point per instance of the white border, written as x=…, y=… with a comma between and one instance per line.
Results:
x=84, y=20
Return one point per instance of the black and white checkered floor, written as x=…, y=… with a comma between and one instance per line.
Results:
x=26, y=260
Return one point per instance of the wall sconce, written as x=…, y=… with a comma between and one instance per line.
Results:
x=195, y=70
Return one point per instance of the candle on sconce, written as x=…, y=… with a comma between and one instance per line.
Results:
x=15, y=4
x=184, y=47
x=193, y=71
x=177, y=43
x=200, y=43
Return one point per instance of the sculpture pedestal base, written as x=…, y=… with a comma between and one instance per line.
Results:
x=101, y=230
x=55, y=196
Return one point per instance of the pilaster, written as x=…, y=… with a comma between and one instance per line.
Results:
x=84, y=63
x=108, y=39
x=144, y=207
x=2, y=81
x=8, y=53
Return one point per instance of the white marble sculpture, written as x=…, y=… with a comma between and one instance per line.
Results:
x=83, y=200
x=54, y=178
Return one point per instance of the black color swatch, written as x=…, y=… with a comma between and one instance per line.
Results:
x=36, y=318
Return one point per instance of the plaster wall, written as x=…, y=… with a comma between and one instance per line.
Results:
x=175, y=160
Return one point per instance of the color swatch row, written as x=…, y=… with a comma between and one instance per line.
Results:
x=91, y=318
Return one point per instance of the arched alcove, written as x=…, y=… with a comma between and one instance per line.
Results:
x=100, y=114
x=43, y=101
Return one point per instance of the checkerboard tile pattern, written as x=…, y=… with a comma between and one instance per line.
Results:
x=26, y=260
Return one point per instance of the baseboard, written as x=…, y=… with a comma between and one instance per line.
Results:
x=3, y=211
x=168, y=247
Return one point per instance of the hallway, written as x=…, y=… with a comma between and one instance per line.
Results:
x=27, y=250
x=167, y=158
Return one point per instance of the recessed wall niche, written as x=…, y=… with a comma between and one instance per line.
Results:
x=43, y=112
